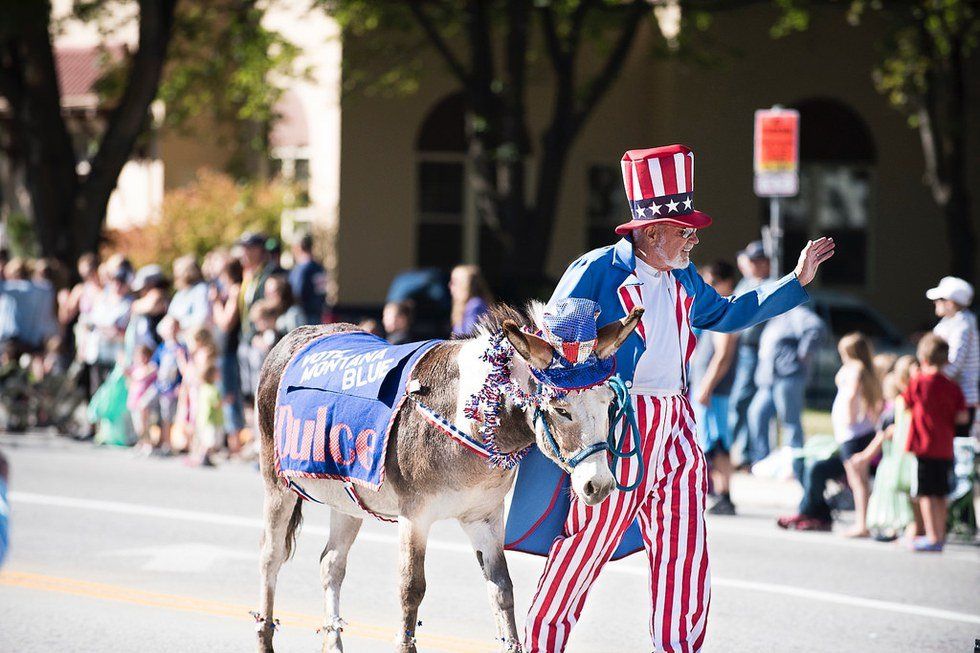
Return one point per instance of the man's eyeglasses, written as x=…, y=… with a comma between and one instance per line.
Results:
x=688, y=232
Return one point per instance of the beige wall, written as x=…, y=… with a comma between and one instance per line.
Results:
x=654, y=103
x=184, y=153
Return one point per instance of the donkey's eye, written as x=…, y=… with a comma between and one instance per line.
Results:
x=564, y=413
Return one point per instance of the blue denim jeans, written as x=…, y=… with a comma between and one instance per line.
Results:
x=784, y=398
x=743, y=390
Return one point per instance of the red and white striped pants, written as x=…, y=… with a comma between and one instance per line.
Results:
x=670, y=507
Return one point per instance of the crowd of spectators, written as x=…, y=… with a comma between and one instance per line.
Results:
x=187, y=347
x=897, y=418
x=748, y=391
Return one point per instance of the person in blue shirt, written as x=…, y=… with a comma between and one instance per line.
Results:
x=168, y=358
x=650, y=268
x=308, y=280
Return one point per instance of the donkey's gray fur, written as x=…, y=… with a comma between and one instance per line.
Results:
x=428, y=477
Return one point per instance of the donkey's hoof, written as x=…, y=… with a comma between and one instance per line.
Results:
x=265, y=638
x=332, y=643
x=405, y=645
x=511, y=646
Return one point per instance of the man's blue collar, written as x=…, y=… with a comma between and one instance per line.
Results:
x=623, y=256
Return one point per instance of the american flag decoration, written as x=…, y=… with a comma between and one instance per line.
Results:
x=659, y=185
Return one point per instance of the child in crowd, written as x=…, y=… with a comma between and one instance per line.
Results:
x=202, y=354
x=142, y=376
x=937, y=405
x=889, y=507
x=208, y=415
x=167, y=359
x=853, y=415
x=263, y=316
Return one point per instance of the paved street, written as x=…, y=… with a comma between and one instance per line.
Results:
x=115, y=553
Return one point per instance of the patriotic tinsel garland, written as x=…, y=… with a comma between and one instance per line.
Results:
x=485, y=405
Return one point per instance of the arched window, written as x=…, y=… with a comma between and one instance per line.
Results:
x=837, y=184
x=441, y=179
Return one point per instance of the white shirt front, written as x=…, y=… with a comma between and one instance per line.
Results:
x=660, y=369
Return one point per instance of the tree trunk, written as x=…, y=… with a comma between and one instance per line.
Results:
x=942, y=131
x=125, y=124
x=30, y=85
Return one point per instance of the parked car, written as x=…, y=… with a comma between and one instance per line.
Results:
x=843, y=314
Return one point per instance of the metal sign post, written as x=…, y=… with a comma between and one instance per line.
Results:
x=777, y=163
x=775, y=238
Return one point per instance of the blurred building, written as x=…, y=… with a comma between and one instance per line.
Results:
x=384, y=176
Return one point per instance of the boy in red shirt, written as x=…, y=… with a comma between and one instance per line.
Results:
x=937, y=406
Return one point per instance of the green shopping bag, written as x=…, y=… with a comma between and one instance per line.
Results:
x=108, y=409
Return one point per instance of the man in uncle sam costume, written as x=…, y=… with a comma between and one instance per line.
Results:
x=649, y=267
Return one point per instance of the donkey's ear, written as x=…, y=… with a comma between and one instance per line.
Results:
x=536, y=351
x=614, y=334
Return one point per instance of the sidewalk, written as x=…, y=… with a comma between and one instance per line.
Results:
x=761, y=492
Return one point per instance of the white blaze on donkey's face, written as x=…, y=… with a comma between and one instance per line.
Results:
x=578, y=421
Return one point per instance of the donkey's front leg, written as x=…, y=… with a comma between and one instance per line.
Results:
x=413, y=534
x=487, y=537
x=333, y=568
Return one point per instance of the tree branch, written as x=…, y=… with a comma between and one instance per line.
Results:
x=551, y=39
x=613, y=65
x=439, y=43
x=127, y=120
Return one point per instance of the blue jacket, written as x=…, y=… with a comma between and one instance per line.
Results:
x=607, y=276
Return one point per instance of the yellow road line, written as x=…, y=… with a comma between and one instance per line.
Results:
x=133, y=596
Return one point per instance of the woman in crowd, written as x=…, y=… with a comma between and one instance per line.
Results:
x=75, y=307
x=108, y=318
x=151, y=299
x=470, y=298
x=190, y=305
x=854, y=414
x=890, y=509
x=279, y=295
x=226, y=314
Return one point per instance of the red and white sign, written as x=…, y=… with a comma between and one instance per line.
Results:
x=777, y=152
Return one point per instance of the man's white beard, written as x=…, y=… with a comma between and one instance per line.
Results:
x=678, y=262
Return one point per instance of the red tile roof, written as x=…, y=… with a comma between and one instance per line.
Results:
x=79, y=68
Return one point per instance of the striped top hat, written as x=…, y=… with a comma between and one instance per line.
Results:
x=570, y=327
x=660, y=188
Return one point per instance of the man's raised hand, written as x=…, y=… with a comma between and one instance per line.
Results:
x=816, y=252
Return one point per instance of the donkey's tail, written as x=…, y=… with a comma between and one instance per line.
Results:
x=292, y=530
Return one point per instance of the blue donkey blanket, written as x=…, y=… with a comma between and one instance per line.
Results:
x=337, y=400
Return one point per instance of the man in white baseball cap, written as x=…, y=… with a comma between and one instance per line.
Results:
x=958, y=327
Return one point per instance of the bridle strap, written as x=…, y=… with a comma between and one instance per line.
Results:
x=567, y=463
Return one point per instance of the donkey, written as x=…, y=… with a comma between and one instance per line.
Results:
x=429, y=476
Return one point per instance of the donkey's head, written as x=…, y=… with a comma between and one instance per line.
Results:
x=571, y=427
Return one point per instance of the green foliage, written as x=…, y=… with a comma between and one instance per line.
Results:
x=922, y=38
x=20, y=235
x=211, y=212
x=223, y=63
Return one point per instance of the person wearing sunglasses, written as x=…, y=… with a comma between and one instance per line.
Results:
x=649, y=268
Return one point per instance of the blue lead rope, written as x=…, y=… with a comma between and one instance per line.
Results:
x=621, y=410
